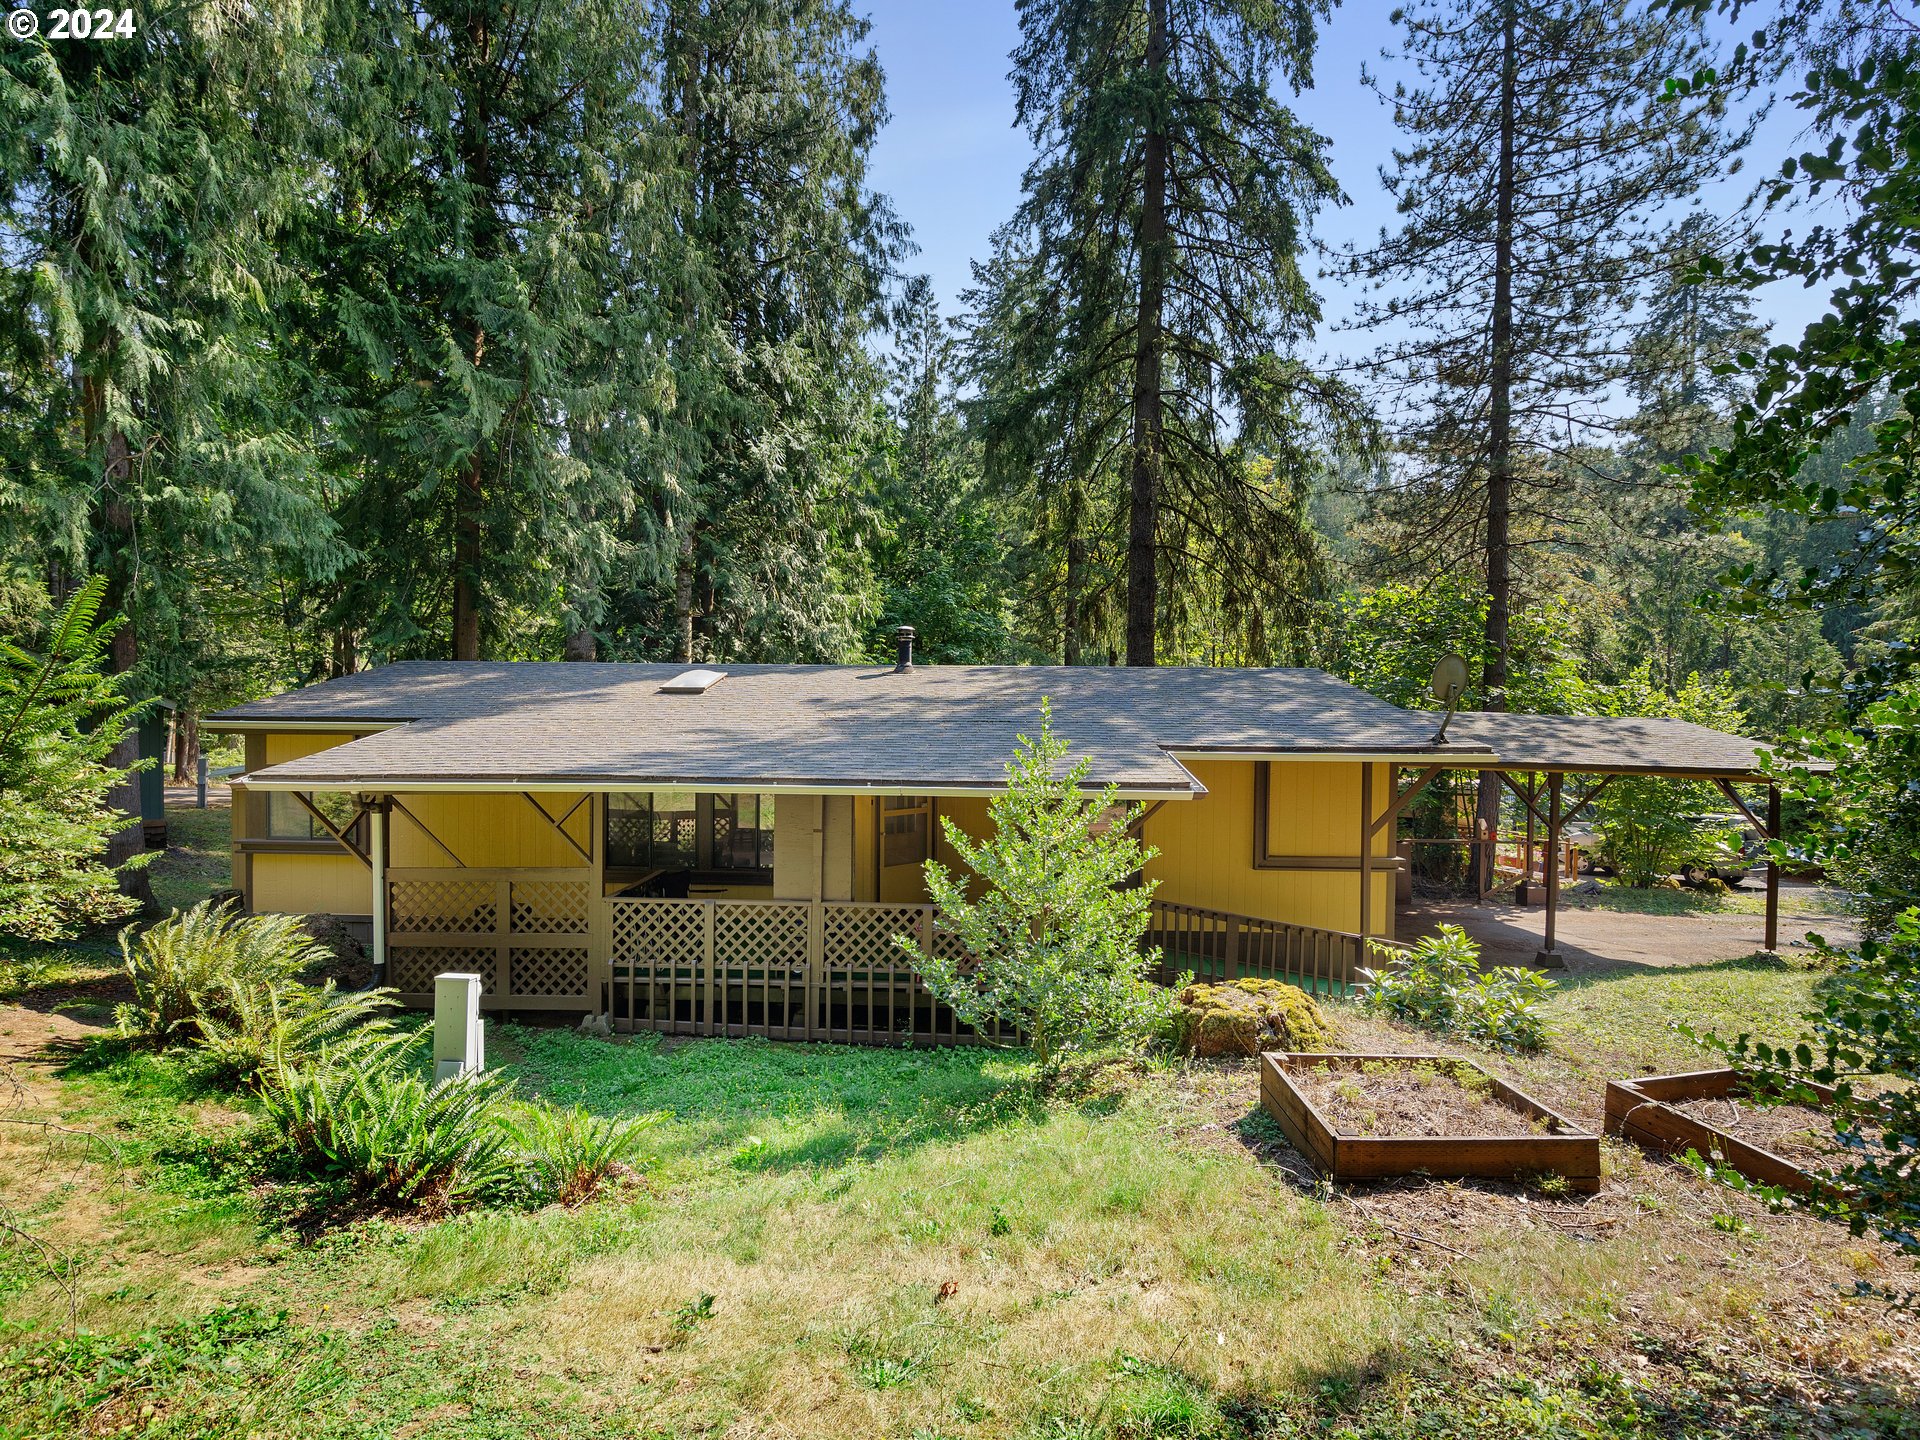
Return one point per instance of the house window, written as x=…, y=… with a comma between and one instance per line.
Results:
x=743, y=832
x=906, y=830
x=679, y=830
x=288, y=819
x=652, y=830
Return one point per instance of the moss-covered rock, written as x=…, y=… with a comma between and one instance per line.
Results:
x=1244, y=1017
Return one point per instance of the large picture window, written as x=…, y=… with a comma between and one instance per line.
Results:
x=681, y=830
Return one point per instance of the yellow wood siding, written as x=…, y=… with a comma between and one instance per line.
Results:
x=311, y=885
x=490, y=831
x=1206, y=845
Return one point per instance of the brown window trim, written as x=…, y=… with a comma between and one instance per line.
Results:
x=1263, y=859
x=284, y=845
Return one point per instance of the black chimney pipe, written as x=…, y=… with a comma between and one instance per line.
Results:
x=903, y=638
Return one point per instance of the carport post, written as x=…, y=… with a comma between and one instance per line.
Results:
x=1549, y=957
x=377, y=848
x=1773, y=869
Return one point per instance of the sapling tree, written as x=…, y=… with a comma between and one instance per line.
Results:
x=61, y=718
x=1051, y=947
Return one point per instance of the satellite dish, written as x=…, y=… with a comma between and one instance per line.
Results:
x=1449, y=684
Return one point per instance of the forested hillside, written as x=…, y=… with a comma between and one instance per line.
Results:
x=348, y=333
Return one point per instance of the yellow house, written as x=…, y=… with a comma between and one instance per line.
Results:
x=734, y=850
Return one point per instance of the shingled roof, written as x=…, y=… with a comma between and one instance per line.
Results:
x=1609, y=744
x=931, y=729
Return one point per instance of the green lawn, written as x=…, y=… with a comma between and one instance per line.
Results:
x=1794, y=901
x=1136, y=1255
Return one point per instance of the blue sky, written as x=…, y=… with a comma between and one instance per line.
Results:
x=951, y=159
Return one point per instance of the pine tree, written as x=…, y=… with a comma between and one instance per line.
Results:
x=1165, y=216
x=940, y=558
x=1541, y=152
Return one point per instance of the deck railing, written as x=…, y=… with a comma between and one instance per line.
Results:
x=785, y=969
x=1219, y=945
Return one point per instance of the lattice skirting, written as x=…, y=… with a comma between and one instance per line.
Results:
x=410, y=969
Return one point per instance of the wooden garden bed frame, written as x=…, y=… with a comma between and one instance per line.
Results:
x=1644, y=1111
x=1571, y=1153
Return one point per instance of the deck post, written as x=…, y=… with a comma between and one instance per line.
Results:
x=1533, y=805
x=1366, y=848
x=1550, y=957
x=1773, y=869
x=377, y=838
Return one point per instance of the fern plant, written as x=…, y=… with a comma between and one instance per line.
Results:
x=566, y=1156
x=363, y=1116
x=264, y=1031
x=61, y=717
x=189, y=969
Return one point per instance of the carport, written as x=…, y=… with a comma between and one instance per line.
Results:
x=1558, y=765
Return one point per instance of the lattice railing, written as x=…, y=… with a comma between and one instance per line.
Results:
x=786, y=969
x=526, y=933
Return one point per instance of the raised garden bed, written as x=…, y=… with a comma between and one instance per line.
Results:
x=1672, y=1114
x=1381, y=1117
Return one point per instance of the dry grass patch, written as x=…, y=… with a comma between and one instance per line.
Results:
x=1013, y=1272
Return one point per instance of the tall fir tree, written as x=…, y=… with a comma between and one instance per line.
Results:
x=753, y=533
x=481, y=318
x=1535, y=184
x=1165, y=217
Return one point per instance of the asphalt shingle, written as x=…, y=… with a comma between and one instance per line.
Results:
x=934, y=726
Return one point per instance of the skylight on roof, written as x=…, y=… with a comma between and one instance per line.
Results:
x=693, y=682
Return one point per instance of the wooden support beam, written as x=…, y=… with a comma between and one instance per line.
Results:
x=1549, y=952
x=1589, y=796
x=1773, y=868
x=1404, y=798
x=1726, y=788
x=332, y=829
x=1533, y=812
x=560, y=825
x=394, y=800
x=1366, y=849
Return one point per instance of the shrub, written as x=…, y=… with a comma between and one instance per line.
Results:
x=1865, y=1034
x=1438, y=983
x=1244, y=1017
x=565, y=1156
x=192, y=964
x=1051, y=949
x=360, y=1114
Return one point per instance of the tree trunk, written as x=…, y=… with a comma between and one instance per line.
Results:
x=1149, y=437
x=468, y=496
x=1072, y=620
x=1500, y=433
x=683, y=598
x=186, y=744
x=581, y=646
x=123, y=651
